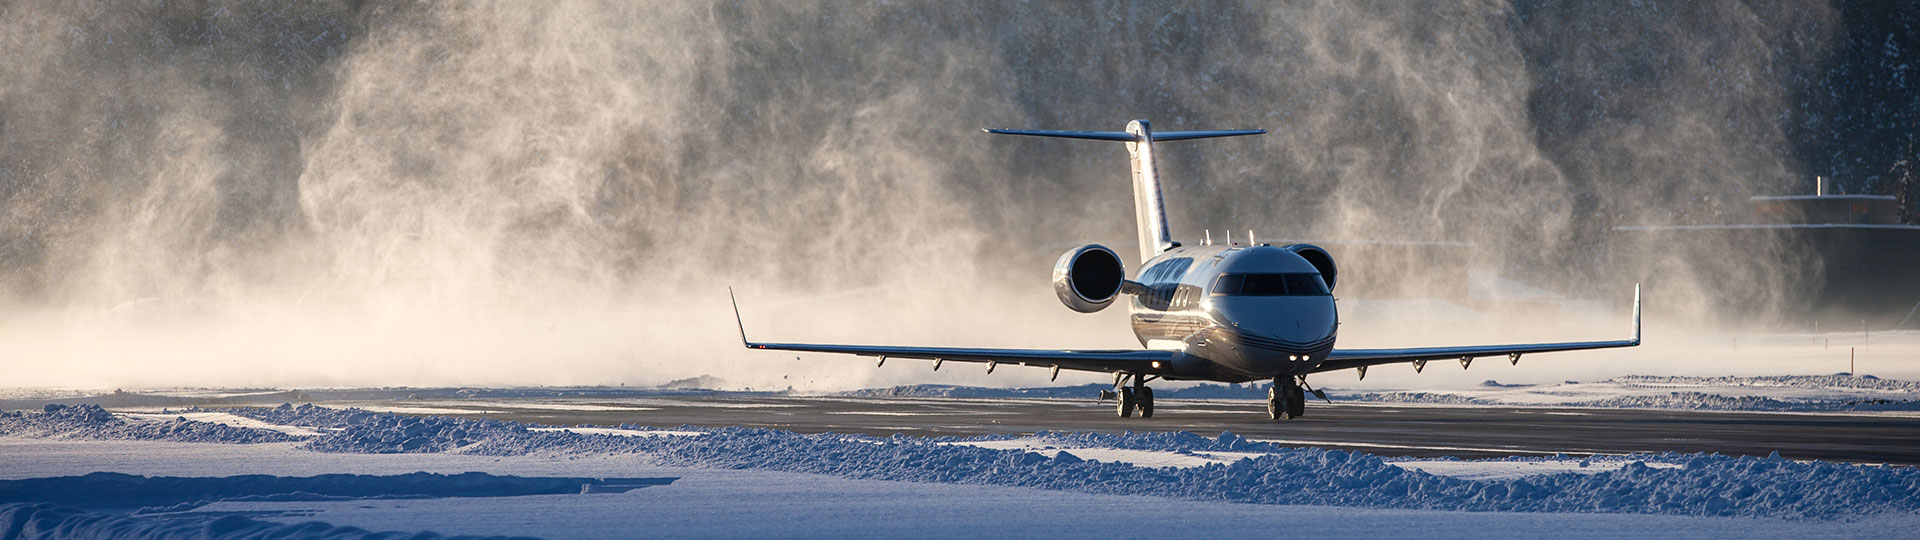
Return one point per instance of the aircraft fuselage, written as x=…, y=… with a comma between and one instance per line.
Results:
x=1238, y=313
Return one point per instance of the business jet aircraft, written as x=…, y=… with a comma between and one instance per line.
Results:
x=1212, y=312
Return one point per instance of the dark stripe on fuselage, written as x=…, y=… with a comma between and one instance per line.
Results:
x=1276, y=345
x=1182, y=327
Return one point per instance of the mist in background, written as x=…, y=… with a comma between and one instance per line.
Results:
x=375, y=194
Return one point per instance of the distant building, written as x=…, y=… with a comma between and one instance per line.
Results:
x=1827, y=209
x=1837, y=259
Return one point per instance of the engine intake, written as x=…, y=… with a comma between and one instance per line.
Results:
x=1088, y=278
x=1319, y=258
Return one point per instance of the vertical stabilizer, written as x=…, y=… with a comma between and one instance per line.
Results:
x=1150, y=213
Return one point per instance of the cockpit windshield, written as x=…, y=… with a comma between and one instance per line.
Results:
x=1270, y=285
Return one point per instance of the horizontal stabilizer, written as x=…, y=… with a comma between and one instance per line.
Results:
x=1121, y=136
x=1149, y=212
x=1184, y=135
x=1089, y=135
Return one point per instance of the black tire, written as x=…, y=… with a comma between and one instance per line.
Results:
x=1126, y=402
x=1285, y=399
x=1297, y=404
x=1145, y=397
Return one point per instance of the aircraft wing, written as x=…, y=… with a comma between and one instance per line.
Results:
x=1106, y=360
x=1361, y=358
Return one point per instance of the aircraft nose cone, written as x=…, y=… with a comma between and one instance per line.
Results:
x=1292, y=320
x=1292, y=331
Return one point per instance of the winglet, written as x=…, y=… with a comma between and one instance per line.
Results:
x=736, y=319
x=1636, y=314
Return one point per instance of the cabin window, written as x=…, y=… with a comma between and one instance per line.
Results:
x=1270, y=285
x=1306, y=285
x=1227, y=284
x=1185, y=296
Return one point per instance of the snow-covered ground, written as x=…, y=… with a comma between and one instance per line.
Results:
x=619, y=432
x=221, y=418
x=735, y=503
x=1503, y=469
x=1051, y=448
x=1479, y=469
x=756, y=482
x=730, y=482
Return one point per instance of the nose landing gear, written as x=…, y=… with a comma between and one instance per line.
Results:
x=1286, y=400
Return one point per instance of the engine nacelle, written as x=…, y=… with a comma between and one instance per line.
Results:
x=1088, y=278
x=1319, y=258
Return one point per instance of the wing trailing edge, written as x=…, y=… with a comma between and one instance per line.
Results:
x=1360, y=358
x=1100, y=360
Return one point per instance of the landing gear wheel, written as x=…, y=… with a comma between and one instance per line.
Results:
x=1277, y=402
x=1285, y=400
x=1145, y=397
x=1126, y=402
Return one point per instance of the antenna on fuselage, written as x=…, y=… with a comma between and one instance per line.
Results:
x=1229, y=237
x=1209, y=238
x=1250, y=240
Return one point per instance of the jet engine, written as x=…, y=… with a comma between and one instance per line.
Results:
x=1319, y=258
x=1088, y=278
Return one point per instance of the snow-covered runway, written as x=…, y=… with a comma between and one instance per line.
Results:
x=525, y=467
x=1826, y=418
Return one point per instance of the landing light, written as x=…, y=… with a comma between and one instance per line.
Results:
x=1206, y=305
x=1156, y=365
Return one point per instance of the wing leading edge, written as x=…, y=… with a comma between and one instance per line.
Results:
x=1103, y=360
x=1361, y=358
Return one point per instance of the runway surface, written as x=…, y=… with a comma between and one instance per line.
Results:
x=1387, y=430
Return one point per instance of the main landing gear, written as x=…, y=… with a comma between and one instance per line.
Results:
x=1286, y=400
x=1137, y=396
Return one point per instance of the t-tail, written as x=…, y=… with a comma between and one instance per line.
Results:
x=1150, y=213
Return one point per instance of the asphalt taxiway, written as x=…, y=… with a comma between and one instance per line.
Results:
x=1381, y=429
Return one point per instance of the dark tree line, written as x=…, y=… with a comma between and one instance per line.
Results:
x=1858, y=123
